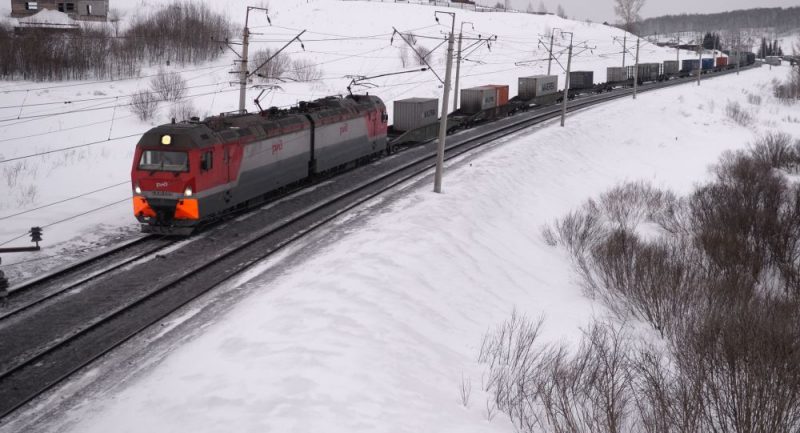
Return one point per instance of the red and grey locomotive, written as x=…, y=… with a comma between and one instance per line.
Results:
x=188, y=173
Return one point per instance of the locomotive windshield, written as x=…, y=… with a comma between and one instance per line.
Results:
x=157, y=160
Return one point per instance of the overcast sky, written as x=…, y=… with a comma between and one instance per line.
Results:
x=603, y=10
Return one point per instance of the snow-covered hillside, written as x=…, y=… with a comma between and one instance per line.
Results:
x=343, y=38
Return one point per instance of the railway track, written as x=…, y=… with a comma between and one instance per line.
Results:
x=110, y=310
x=47, y=288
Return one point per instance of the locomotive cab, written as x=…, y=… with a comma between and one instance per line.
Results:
x=171, y=165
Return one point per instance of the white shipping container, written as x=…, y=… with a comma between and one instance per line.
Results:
x=537, y=85
x=413, y=113
x=476, y=99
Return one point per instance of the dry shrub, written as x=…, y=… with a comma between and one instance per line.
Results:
x=422, y=55
x=305, y=70
x=778, y=150
x=546, y=388
x=275, y=69
x=182, y=110
x=144, y=104
x=738, y=114
x=170, y=86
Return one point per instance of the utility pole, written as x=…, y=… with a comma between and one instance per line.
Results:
x=566, y=82
x=624, y=47
x=243, y=66
x=678, y=51
x=738, y=47
x=550, y=53
x=458, y=62
x=437, y=182
x=699, y=60
x=636, y=70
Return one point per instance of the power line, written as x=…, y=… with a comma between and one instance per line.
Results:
x=87, y=83
x=63, y=201
x=70, y=218
x=4, y=161
x=78, y=101
x=85, y=110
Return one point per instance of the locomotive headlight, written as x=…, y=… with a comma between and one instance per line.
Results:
x=166, y=139
x=188, y=191
x=136, y=189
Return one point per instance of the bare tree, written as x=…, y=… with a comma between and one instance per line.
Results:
x=628, y=12
x=542, y=8
x=560, y=12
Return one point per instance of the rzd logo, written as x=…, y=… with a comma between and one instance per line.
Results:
x=343, y=129
x=277, y=147
x=162, y=184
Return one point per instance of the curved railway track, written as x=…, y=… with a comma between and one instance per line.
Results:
x=115, y=308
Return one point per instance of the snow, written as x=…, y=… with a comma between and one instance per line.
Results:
x=371, y=324
x=47, y=16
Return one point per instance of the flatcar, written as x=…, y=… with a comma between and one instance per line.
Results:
x=186, y=174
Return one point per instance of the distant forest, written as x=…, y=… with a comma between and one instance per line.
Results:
x=781, y=20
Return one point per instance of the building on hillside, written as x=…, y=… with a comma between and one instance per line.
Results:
x=88, y=10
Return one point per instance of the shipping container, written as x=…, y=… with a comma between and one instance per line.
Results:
x=502, y=93
x=537, y=85
x=413, y=113
x=722, y=61
x=646, y=72
x=670, y=67
x=616, y=74
x=581, y=79
x=476, y=99
x=708, y=64
x=689, y=65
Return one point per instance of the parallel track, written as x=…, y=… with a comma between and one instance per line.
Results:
x=46, y=288
x=35, y=374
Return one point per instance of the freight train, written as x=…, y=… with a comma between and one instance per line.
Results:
x=187, y=174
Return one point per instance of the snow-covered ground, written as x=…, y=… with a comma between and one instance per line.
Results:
x=343, y=38
x=373, y=323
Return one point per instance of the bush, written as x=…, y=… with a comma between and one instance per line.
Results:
x=144, y=104
x=738, y=114
x=305, y=70
x=777, y=150
x=276, y=69
x=182, y=110
x=423, y=54
x=170, y=86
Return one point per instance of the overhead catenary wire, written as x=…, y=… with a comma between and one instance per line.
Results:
x=89, y=109
x=64, y=200
x=105, y=206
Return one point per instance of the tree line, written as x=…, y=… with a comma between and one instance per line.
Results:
x=181, y=32
x=779, y=19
